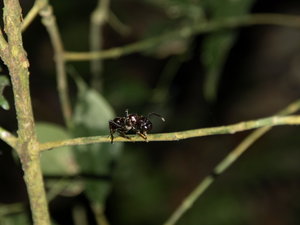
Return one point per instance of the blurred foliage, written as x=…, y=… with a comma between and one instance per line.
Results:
x=139, y=189
x=91, y=115
x=60, y=161
x=136, y=182
x=15, y=219
x=134, y=91
x=216, y=46
x=244, y=193
x=3, y=83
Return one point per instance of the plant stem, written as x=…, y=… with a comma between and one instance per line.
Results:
x=8, y=138
x=11, y=209
x=14, y=56
x=175, y=136
x=186, y=32
x=35, y=186
x=223, y=165
x=34, y=11
x=49, y=21
x=98, y=18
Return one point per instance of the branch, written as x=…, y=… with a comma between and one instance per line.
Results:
x=8, y=138
x=16, y=60
x=224, y=165
x=188, y=31
x=175, y=136
x=4, y=52
x=12, y=208
x=32, y=14
x=49, y=21
x=98, y=18
x=17, y=63
x=117, y=25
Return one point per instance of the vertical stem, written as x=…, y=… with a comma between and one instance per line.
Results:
x=35, y=187
x=17, y=63
x=49, y=21
x=14, y=56
x=98, y=19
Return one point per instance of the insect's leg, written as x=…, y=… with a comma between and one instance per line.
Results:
x=111, y=130
x=126, y=113
x=111, y=138
x=111, y=122
x=123, y=134
x=143, y=135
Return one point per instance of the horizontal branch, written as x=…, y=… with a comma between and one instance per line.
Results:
x=188, y=31
x=175, y=136
x=233, y=155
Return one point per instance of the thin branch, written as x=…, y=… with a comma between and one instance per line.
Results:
x=4, y=52
x=13, y=208
x=117, y=25
x=8, y=138
x=98, y=18
x=175, y=136
x=189, y=201
x=100, y=217
x=33, y=13
x=186, y=32
x=49, y=21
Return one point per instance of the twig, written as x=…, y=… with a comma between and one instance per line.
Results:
x=185, y=32
x=175, y=136
x=14, y=56
x=8, y=138
x=13, y=208
x=34, y=11
x=117, y=25
x=49, y=21
x=98, y=18
x=99, y=214
x=223, y=165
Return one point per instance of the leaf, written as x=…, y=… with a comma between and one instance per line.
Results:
x=131, y=91
x=15, y=219
x=4, y=81
x=59, y=161
x=91, y=115
x=217, y=46
x=215, y=51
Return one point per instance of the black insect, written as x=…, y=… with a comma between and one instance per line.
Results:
x=131, y=123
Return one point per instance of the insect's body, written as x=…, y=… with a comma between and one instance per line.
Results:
x=131, y=123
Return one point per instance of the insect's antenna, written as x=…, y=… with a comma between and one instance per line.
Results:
x=155, y=114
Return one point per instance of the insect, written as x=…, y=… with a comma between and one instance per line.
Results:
x=131, y=123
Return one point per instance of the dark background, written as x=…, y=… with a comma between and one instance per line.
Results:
x=260, y=77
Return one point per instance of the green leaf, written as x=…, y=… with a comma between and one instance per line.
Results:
x=4, y=81
x=216, y=46
x=215, y=51
x=131, y=91
x=20, y=218
x=91, y=115
x=59, y=161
